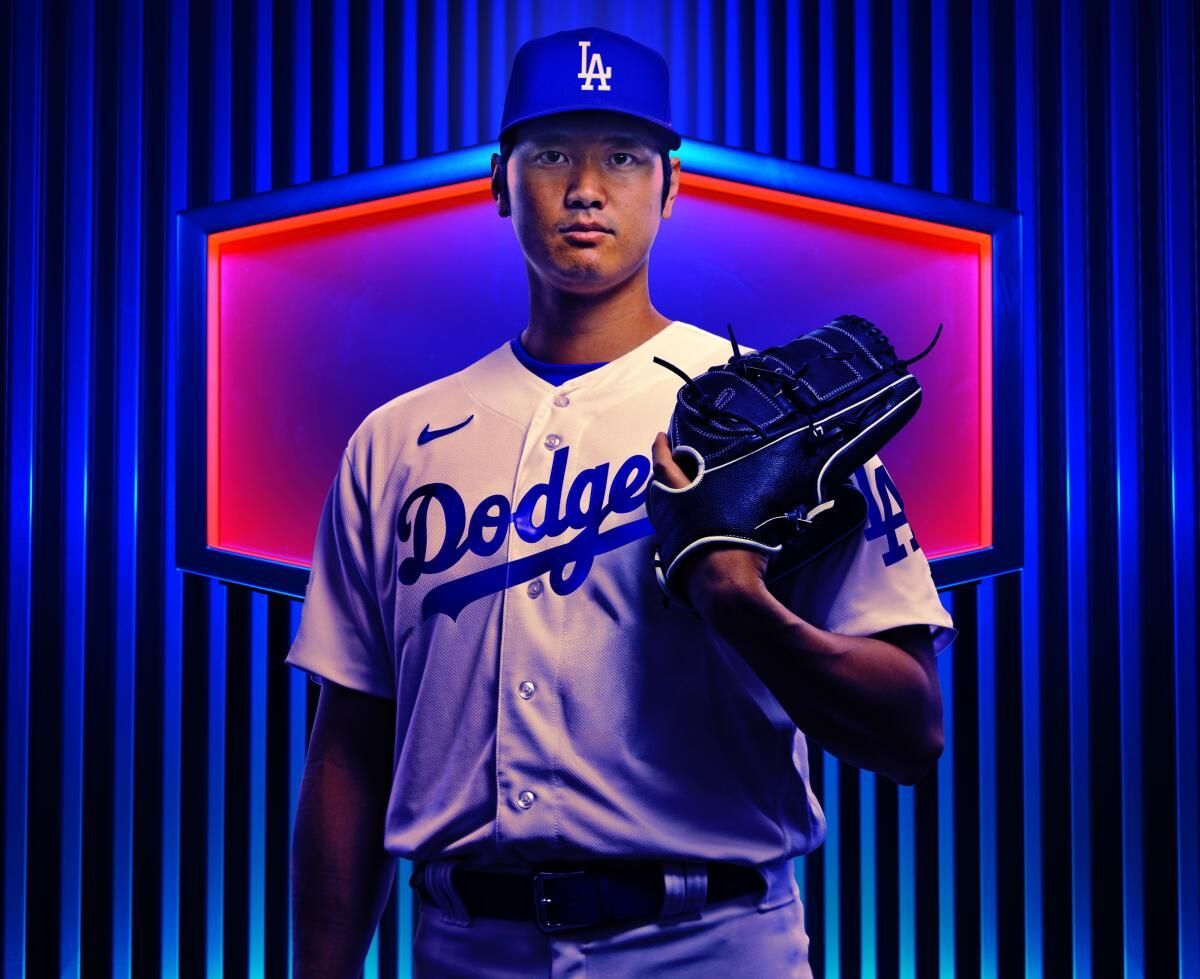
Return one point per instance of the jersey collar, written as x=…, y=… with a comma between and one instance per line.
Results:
x=503, y=384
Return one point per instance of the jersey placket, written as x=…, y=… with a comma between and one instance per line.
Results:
x=529, y=715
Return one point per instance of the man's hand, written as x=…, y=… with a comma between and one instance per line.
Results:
x=717, y=573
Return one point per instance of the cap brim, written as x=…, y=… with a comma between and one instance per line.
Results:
x=673, y=138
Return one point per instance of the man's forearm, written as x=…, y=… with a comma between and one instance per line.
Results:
x=869, y=702
x=341, y=875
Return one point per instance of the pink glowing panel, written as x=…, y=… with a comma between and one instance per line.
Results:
x=318, y=319
x=322, y=319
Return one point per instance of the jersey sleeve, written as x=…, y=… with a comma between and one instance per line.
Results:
x=341, y=634
x=879, y=581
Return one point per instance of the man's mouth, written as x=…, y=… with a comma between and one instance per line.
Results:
x=585, y=234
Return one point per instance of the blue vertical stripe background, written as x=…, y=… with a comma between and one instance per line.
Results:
x=1059, y=833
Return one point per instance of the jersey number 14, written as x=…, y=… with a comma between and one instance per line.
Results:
x=884, y=520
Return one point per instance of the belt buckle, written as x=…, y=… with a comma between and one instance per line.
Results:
x=560, y=896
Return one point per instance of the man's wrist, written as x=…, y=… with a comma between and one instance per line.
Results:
x=724, y=580
x=740, y=608
x=719, y=601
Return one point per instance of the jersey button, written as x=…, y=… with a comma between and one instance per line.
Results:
x=526, y=689
x=534, y=588
x=525, y=799
x=561, y=401
x=553, y=441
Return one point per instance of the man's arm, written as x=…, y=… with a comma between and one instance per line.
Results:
x=341, y=875
x=874, y=702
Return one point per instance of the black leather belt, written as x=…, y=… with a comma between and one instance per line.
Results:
x=582, y=895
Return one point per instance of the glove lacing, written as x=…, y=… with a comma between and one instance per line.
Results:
x=705, y=403
x=750, y=367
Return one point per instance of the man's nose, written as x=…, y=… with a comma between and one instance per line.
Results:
x=586, y=185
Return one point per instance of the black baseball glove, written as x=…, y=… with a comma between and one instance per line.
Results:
x=769, y=441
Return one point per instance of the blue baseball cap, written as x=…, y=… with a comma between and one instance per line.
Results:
x=588, y=68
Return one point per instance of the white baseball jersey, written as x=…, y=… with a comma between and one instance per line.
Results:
x=484, y=559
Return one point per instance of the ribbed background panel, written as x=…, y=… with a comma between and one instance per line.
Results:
x=152, y=737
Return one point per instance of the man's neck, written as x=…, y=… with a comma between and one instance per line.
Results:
x=565, y=328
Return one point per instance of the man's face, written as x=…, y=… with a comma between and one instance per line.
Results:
x=595, y=168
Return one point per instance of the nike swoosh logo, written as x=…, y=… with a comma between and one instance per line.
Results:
x=428, y=436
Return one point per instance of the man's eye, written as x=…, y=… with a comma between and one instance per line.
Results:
x=557, y=154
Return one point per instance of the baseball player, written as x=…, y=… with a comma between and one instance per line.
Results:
x=589, y=779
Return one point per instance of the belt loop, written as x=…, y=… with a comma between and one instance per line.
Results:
x=685, y=888
x=780, y=877
x=437, y=879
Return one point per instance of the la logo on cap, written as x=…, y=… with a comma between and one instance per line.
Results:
x=595, y=72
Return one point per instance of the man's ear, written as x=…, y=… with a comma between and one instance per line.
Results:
x=675, y=166
x=500, y=187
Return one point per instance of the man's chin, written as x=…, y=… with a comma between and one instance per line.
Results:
x=584, y=277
